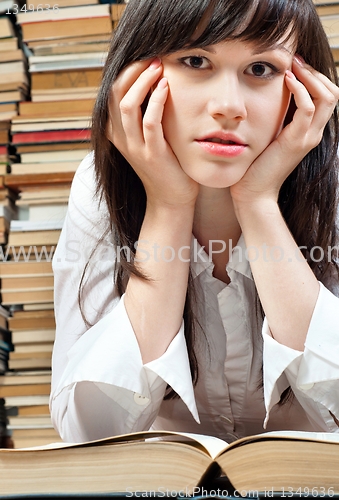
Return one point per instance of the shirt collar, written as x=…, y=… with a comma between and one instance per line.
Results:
x=200, y=261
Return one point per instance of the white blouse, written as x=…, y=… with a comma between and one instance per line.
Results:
x=100, y=387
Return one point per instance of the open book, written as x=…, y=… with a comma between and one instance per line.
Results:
x=168, y=463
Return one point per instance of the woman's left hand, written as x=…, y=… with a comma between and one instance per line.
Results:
x=286, y=285
x=315, y=98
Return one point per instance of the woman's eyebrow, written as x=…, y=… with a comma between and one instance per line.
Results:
x=207, y=48
x=277, y=46
x=256, y=50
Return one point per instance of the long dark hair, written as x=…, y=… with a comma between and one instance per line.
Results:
x=150, y=28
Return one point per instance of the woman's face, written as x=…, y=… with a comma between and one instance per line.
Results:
x=227, y=103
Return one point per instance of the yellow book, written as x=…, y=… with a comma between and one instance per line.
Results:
x=176, y=464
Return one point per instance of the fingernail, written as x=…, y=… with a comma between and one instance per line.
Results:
x=290, y=74
x=155, y=64
x=298, y=59
x=163, y=83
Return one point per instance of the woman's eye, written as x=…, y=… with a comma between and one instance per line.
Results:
x=195, y=62
x=262, y=70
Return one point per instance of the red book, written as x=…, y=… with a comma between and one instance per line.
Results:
x=3, y=150
x=75, y=135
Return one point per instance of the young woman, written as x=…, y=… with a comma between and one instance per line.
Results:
x=196, y=274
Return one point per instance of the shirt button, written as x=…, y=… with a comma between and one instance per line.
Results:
x=141, y=400
x=228, y=420
x=307, y=387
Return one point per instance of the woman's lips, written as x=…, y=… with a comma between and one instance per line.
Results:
x=221, y=143
x=226, y=148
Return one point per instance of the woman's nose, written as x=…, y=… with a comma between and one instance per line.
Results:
x=227, y=99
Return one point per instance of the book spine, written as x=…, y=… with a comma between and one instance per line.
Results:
x=66, y=79
x=52, y=108
x=57, y=136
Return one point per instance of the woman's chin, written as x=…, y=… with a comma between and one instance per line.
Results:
x=217, y=181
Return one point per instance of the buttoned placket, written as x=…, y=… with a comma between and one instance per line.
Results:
x=230, y=324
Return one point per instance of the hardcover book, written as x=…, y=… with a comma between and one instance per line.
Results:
x=175, y=462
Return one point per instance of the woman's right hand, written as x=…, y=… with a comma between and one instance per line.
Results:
x=139, y=137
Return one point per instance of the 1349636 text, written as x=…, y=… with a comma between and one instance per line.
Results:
x=315, y=492
x=16, y=9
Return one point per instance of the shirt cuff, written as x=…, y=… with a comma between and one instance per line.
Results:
x=109, y=353
x=313, y=371
x=173, y=367
x=321, y=358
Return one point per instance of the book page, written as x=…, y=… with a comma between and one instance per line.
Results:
x=332, y=437
x=326, y=437
x=212, y=445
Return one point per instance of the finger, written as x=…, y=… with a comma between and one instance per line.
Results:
x=123, y=82
x=127, y=86
x=313, y=112
x=318, y=85
x=128, y=76
x=305, y=108
x=152, y=126
x=130, y=104
x=324, y=94
x=332, y=87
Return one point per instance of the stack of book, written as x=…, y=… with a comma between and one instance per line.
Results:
x=8, y=211
x=326, y=7
x=5, y=340
x=32, y=145
x=32, y=289
x=52, y=136
x=31, y=240
x=11, y=90
x=116, y=12
x=33, y=331
x=329, y=16
x=27, y=288
x=47, y=204
x=4, y=142
x=5, y=348
x=3, y=424
x=40, y=205
x=13, y=72
x=26, y=395
x=26, y=269
x=67, y=49
x=66, y=46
